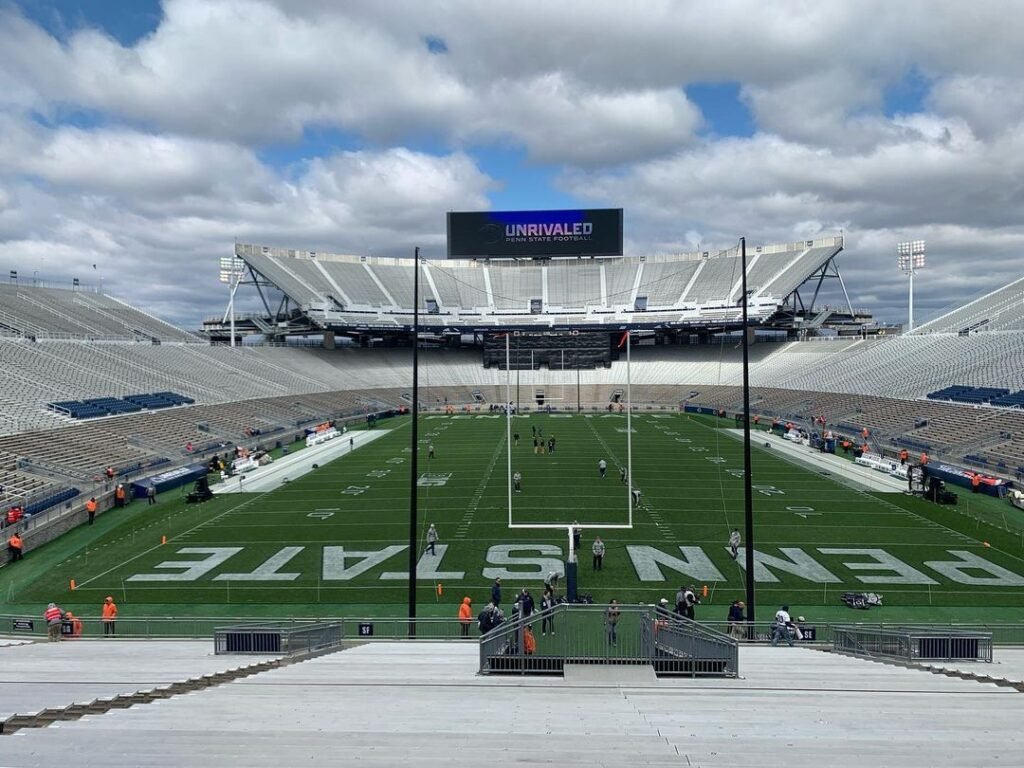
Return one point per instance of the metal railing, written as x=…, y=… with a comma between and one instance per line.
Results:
x=582, y=634
x=202, y=627
x=282, y=638
x=586, y=621
x=912, y=644
x=389, y=628
x=684, y=647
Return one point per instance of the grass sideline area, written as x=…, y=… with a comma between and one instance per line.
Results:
x=334, y=542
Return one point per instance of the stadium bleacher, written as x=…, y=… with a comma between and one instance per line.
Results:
x=80, y=313
x=1000, y=310
x=52, y=369
x=693, y=287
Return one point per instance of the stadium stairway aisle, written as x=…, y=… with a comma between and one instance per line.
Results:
x=41, y=675
x=394, y=704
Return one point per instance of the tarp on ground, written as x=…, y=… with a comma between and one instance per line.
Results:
x=993, y=486
x=165, y=481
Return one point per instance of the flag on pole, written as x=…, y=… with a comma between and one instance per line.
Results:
x=622, y=341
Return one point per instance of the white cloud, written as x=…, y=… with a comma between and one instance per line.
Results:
x=164, y=168
x=156, y=213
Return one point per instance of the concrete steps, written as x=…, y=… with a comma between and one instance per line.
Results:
x=958, y=674
x=46, y=717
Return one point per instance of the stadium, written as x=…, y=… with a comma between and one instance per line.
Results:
x=552, y=402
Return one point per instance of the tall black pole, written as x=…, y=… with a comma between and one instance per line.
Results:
x=748, y=491
x=413, y=464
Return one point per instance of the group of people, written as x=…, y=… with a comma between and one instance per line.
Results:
x=686, y=602
x=783, y=626
x=64, y=624
x=524, y=608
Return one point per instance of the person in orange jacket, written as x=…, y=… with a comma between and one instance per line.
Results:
x=529, y=642
x=16, y=547
x=90, y=508
x=465, y=616
x=76, y=626
x=120, y=495
x=109, y=617
x=975, y=482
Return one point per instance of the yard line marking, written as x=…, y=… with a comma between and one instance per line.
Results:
x=478, y=494
x=665, y=530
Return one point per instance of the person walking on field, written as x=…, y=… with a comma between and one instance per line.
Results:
x=109, y=617
x=734, y=542
x=120, y=496
x=598, y=550
x=90, y=508
x=602, y=468
x=465, y=616
x=496, y=592
x=430, y=451
x=431, y=539
x=151, y=494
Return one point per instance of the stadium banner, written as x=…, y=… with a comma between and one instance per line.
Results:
x=699, y=409
x=173, y=478
x=511, y=234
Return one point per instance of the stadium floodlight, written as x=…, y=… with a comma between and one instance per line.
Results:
x=910, y=256
x=231, y=270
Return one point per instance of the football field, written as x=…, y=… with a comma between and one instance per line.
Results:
x=339, y=535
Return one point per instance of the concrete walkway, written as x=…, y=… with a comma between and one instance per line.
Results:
x=422, y=704
x=842, y=469
x=272, y=476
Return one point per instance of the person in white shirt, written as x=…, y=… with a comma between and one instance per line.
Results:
x=602, y=467
x=734, y=542
x=431, y=538
x=517, y=482
x=598, y=550
x=783, y=622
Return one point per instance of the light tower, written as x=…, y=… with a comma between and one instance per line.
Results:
x=231, y=269
x=910, y=255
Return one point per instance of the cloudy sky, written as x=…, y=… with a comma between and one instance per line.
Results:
x=145, y=137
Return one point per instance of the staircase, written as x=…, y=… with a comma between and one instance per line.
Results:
x=47, y=717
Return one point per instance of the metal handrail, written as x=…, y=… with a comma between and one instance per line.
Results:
x=910, y=644
x=582, y=634
x=278, y=637
x=441, y=628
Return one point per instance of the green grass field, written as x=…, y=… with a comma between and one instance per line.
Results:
x=336, y=539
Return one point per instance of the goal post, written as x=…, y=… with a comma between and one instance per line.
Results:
x=632, y=492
